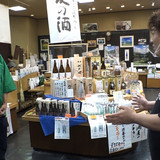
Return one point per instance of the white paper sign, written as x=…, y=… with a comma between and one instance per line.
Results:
x=97, y=126
x=63, y=19
x=139, y=133
x=5, y=35
x=8, y=115
x=61, y=129
x=119, y=137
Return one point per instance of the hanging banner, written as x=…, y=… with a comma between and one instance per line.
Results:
x=63, y=19
x=119, y=137
x=5, y=35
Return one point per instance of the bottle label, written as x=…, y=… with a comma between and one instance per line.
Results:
x=68, y=74
x=54, y=75
x=95, y=73
x=111, y=92
x=61, y=75
x=103, y=72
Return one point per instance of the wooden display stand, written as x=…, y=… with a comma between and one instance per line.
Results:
x=12, y=98
x=79, y=142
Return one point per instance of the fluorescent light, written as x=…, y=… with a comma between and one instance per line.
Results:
x=32, y=15
x=107, y=7
x=153, y=4
x=93, y=8
x=79, y=10
x=122, y=6
x=89, y=9
x=17, y=8
x=138, y=4
x=85, y=1
x=142, y=6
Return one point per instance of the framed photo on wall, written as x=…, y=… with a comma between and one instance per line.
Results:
x=44, y=44
x=92, y=43
x=100, y=41
x=126, y=41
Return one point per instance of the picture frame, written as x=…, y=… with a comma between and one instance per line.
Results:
x=126, y=41
x=90, y=27
x=44, y=44
x=101, y=41
x=92, y=43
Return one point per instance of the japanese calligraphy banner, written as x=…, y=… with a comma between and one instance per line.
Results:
x=63, y=20
x=119, y=137
x=5, y=36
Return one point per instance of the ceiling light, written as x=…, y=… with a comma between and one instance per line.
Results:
x=85, y=1
x=107, y=7
x=17, y=8
x=152, y=4
x=93, y=8
x=142, y=6
x=138, y=4
x=89, y=9
x=111, y=9
x=122, y=6
x=32, y=15
x=79, y=10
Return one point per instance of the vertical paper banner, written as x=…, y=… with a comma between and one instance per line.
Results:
x=61, y=130
x=63, y=19
x=5, y=35
x=119, y=137
x=139, y=133
x=97, y=126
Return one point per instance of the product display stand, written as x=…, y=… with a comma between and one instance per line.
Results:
x=80, y=141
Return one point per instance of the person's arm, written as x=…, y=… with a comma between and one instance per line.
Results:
x=4, y=105
x=126, y=116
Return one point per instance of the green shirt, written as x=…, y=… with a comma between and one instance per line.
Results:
x=6, y=82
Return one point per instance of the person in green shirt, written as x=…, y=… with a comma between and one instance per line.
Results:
x=6, y=85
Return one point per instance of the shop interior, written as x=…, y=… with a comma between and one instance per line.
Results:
x=65, y=89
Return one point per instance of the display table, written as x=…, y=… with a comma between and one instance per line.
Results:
x=153, y=83
x=79, y=142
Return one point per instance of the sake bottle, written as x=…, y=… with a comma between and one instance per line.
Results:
x=55, y=70
x=50, y=109
x=95, y=69
x=103, y=69
x=63, y=110
x=58, y=110
x=72, y=110
x=61, y=71
x=123, y=86
x=68, y=70
x=111, y=88
x=54, y=109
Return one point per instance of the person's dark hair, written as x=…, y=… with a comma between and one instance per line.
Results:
x=154, y=21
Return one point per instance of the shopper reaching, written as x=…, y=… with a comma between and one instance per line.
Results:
x=152, y=120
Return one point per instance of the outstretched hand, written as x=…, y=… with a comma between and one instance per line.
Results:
x=141, y=102
x=124, y=116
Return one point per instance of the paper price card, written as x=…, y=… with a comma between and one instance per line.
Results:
x=97, y=126
x=119, y=137
x=61, y=129
x=139, y=133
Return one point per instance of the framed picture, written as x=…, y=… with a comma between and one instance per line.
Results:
x=92, y=43
x=100, y=41
x=122, y=25
x=90, y=27
x=126, y=41
x=44, y=44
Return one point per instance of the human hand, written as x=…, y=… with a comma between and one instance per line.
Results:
x=140, y=101
x=124, y=116
x=3, y=109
